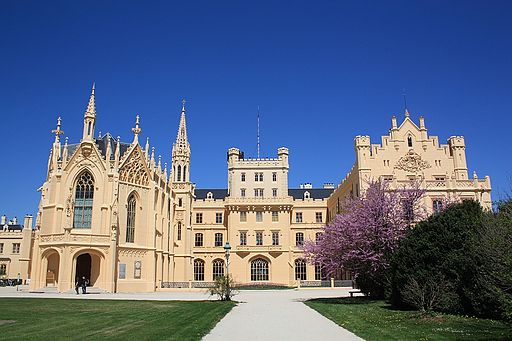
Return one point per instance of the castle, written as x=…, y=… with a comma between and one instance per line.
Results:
x=111, y=212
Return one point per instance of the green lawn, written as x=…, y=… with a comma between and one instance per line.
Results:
x=375, y=320
x=65, y=319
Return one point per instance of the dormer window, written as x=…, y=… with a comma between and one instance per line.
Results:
x=307, y=195
x=209, y=195
x=409, y=141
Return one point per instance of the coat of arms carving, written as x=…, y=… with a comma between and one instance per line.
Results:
x=412, y=162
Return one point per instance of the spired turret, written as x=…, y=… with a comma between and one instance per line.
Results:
x=90, y=118
x=181, y=152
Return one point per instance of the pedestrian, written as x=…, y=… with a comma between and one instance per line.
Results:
x=77, y=285
x=84, y=285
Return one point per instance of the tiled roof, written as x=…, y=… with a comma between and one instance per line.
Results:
x=315, y=193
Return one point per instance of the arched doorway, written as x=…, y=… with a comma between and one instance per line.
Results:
x=52, y=269
x=83, y=266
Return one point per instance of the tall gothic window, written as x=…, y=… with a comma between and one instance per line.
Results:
x=178, y=175
x=130, y=219
x=179, y=230
x=300, y=269
x=409, y=141
x=218, y=268
x=259, y=270
x=198, y=270
x=184, y=173
x=82, y=215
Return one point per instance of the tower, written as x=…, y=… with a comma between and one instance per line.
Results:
x=183, y=193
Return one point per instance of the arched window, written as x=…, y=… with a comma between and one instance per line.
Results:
x=307, y=195
x=199, y=239
x=180, y=202
x=209, y=195
x=178, y=175
x=198, y=270
x=259, y=270
x=130, y=219
x=300, y=269
x=3, y=269
x=184, y=173
x=409, y=141
x=82, y=215
x=179, y=231
x=218, y=268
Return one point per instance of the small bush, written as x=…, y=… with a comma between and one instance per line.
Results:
x=224, y=288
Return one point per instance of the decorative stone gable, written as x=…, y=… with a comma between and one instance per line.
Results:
x=412, y=162
x=134, y=169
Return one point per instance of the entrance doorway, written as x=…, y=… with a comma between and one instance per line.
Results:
x=83, y=267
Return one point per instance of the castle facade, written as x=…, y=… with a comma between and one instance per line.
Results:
x=112, y=213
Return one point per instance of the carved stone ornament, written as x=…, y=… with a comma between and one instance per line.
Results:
x=412, y=162
x=134, y=170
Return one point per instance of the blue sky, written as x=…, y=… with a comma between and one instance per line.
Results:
x=321, y=72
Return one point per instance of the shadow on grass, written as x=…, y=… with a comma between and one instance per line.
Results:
x=344, y=300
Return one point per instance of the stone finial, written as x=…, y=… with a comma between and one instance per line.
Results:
x=136, y=130
x=57, y=131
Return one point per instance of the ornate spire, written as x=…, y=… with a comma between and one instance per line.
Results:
x=136, y=130
x=90, y=118
x=181, y=138
x=91, y=107
x=57, y=132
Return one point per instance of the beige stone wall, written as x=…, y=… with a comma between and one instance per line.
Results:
x=409, y=153
x=15, y=249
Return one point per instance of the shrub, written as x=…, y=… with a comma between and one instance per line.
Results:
x=224, y=288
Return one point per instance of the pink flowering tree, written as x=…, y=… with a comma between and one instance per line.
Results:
x=363, y=237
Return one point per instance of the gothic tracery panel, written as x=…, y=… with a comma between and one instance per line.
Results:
x=134, y=170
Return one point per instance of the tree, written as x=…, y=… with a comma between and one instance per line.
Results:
x=464, y=251
x=363, y=237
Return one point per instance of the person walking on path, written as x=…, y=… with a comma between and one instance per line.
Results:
x=77, y=285
x=84, y=285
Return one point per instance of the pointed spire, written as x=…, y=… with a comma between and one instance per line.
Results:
x=57, y=132
x=165, y=171
x=117, y=153
x=90, y=118
x=181, y=138
x=91, y=107
x=159, y=163
x=407, y=113
x=65, y=152
x=146, y=149
x=108, y=153
x=152, y=162
x=136, y=130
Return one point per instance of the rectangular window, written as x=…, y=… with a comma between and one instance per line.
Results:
x=243, y=238
x=259, y=238
x=242, y=192
x=243, y=216
x=199, y=218
x=122, y=270
x=274, y=192
x=199, y=239
x=258, y=176
x=319, y=218
x=437, y=205
x=299, y=239
x=242, y=177
x=275, y=237
x=1, y=247
x=259, y=217
x=274, y=176
x=275, y=216
x=258, y=192
x=298, y=217
x=218, y=239
x=16, y=248
x=218, y=218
